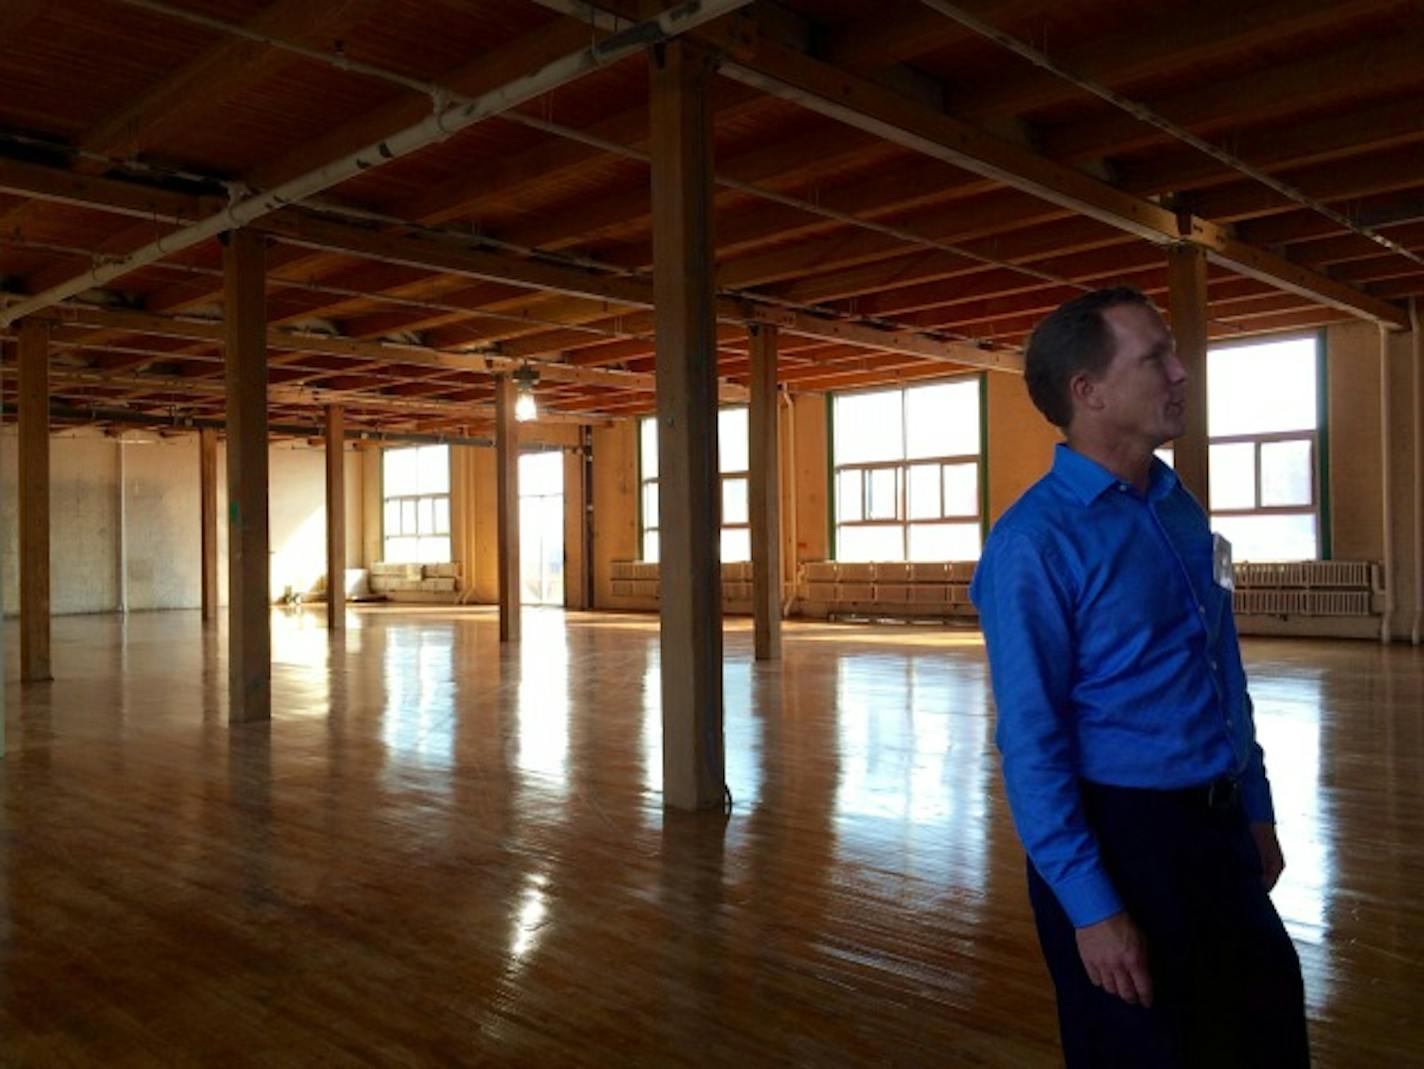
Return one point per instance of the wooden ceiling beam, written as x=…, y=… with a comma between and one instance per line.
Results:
x=217, y=74
x=1387, y=172
x=106, y=194
x=1368, y=68
x=387, y=353
x=755, y=60
x=1278, y=147
x=910, y=30
x=1166, y=45
x=617, y=291
x=1382, y=212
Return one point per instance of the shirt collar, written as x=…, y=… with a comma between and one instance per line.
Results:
x=1087, y=478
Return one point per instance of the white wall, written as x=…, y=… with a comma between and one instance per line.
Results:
x=161, y=521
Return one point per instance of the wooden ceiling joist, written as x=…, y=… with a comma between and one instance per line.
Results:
x=766, y=65
x=939, y=195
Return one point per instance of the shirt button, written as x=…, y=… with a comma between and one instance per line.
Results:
x=1213, y=666
x=1122, y=488
x=1201, y=609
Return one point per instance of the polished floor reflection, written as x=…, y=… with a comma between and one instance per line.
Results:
x=441, y=852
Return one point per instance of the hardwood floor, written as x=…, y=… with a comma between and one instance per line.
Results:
x=444, y=853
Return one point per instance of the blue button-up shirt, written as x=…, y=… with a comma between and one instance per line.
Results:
x=1114, y=659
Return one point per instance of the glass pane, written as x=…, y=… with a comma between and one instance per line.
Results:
x=401, y=550
x=393, y=526
x=408, y=525
x=736, y=544
x=867, y=427
x=944, y=541
x=883, y=497
x=399, y=470
x=923, y=491
x=434, y=475
x=1269, y=538
x=425, y=514
x=648, y=446
x=433, y=550
x=732, y=441
x=734, y=501
x=870, y=543
x=961, y=491
x=849, y=503
x=1233, y=475
x=1240, y=377
x=1285, y=473
x=541, y=473
x=442, y=516
x=650, y=545
x=650, y=504
x=942, y=420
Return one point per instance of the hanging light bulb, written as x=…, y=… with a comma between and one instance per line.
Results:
x=525, y=408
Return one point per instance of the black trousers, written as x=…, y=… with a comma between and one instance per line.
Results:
x=1227, y=987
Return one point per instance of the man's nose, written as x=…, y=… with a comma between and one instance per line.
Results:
x=1176, y=370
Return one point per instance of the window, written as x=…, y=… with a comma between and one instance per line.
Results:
x=907, y=473
x=733, y=464
x=416, y=492
x=1264, y=454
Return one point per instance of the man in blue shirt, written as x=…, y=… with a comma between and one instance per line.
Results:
x=1129, y=750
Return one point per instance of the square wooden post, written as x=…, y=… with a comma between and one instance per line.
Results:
x=335, y=518
x=1186, y=281
x=249, y=569
x=208, y=509
x=34, y=491
x=689, y=488
x=765, y=488
x=506, y=444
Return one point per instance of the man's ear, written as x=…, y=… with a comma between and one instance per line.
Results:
x=1083, y=390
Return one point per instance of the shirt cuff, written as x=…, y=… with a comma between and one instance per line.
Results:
x=1088, y=898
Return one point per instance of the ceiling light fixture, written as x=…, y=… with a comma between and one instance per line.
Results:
x=525, y=378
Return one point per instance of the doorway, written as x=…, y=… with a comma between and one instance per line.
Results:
x=541, y=528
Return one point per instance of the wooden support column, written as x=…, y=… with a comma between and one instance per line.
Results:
x=335, y=518
x=1186, y=279
x=506, y=445
x=34, y=501
x=689, y=489
x=248, y=570
x=765, y=491
x=208, y=508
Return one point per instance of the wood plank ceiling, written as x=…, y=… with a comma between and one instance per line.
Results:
x=902, y=192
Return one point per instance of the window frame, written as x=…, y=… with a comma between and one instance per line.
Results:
x=649, y=525
x=1317, y=436
x=902, y=467
x=417, y=498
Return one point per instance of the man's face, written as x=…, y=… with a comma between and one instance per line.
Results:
x=1141, y=394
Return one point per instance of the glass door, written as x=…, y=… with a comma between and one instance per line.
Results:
x=541, y=528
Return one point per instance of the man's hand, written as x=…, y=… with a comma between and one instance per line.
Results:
x=1269, y=847
x=1115, y=957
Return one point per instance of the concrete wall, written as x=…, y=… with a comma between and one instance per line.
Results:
x=160, y=530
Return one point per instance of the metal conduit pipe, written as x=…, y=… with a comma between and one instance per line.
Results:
x=1418, y=407
x=605, y=21
x=1386, y=480
x=436, y=127
x=122, y=540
